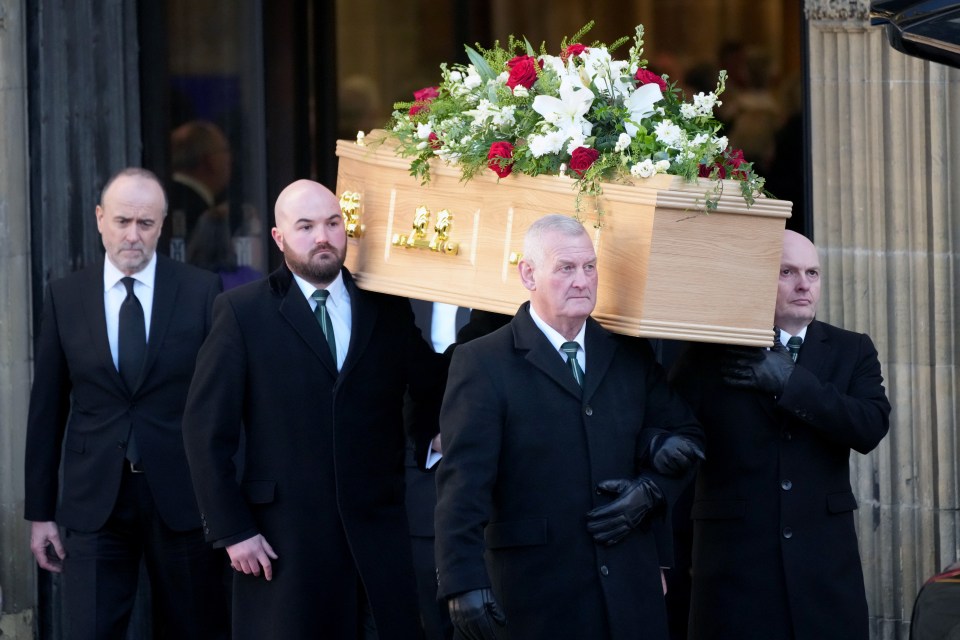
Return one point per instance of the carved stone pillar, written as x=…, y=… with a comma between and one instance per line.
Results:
x=17, y=592
x=885, y=142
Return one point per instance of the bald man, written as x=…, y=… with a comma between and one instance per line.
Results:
x=313, y=371
x=775, y=551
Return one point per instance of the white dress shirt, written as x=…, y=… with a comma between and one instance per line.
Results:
x=556, y=339
x=114, y=294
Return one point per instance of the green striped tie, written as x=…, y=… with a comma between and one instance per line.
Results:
x=321, y=295
x=571, y=348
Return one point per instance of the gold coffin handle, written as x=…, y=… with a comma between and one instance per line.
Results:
x=350, y=208
x=417, y=239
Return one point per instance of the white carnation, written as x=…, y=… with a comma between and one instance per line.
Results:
x=643, y=169
x=623, y=141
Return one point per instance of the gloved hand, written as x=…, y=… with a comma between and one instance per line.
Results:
x=476, y=614
x=639, y=497
x=674, y=455
x=762, y=369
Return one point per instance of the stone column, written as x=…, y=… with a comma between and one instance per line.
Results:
x=885, y=142
x=17, y=568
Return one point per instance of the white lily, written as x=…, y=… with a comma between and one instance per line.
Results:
x=566, y=112
x=640, y=103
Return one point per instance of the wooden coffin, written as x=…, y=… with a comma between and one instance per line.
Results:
x=667, y=268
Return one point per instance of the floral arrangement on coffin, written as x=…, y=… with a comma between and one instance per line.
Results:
x=581, y=114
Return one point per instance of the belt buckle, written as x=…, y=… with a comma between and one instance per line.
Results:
x=135, y=467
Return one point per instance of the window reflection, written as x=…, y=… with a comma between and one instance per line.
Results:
x=217, y=211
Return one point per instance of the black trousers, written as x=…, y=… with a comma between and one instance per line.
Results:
x=101, y=571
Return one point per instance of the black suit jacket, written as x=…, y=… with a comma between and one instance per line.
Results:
x=421, y=487
x=80, y=402
x=523, y=453
x=322, y=477
x=774, y=537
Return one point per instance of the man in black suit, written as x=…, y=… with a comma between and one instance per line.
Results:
x=439, y=324
x=313, y=370
x=775, y=550
x=562, y=445
x=114, y=359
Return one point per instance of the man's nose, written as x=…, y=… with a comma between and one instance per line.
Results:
x=133, y=234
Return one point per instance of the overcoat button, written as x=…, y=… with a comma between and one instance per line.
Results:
x=787, y=533
x=604, y=571
x=786, y=485
x=588, y=411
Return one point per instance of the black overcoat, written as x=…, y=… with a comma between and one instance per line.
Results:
x=775, y=550
x=524, y=450
x=322, y=474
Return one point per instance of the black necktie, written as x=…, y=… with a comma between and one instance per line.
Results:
x=323, y=317
x=131, y=348
x=793, y=346
x=571, y=348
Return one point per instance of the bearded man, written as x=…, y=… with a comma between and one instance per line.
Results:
x=312, y=371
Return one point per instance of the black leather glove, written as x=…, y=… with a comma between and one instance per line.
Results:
x=476, y=614
x=762, y=369
x=639, y=497
x=674, y=455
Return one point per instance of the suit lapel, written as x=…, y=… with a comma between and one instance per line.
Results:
x=95, y=316
x=364, y=318
x=296, y=311
x=166, y=286
x=600, y=348
x=815, y=351
x=540, y=353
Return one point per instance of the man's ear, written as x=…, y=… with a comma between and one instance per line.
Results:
x=277, y=237
x=526, y=275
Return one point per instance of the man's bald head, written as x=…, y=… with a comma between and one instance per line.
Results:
x=798, y=291
x=309, y=231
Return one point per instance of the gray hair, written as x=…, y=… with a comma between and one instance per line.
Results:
x=552, y=222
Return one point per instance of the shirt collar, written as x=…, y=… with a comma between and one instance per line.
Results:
x=337, y=289
x=554, y=336
x=784, y=336
x=112, y=275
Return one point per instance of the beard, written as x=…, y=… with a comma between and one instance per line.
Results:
x=317, y=271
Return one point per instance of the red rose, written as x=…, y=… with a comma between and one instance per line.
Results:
x=500, y=150
x=426, y=94
x=434, y=141
x=705, y=170
x=734, y=160
x=582, y=159
x=423, y=98
x=522, y=71
x=731, y=159
x=646, y=77
x=573, y=50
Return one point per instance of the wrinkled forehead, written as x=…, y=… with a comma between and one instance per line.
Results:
x=800, y=257
x=135, y=196
x=563, y=247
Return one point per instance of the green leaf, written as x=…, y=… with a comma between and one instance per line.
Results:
x=530, y=50
x=480, y=64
